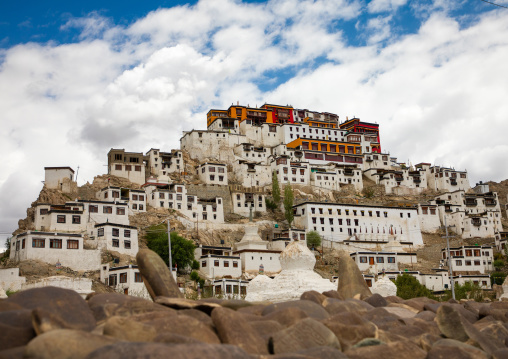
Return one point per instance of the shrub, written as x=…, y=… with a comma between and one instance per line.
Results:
x=497, y=278
x=498, y=263
x=271, y=205
x=195, y=265
x=408, y=287
x=313, y=239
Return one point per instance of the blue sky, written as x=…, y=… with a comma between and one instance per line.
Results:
x=78, y=78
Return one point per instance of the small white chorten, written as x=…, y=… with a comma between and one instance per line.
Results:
x=297, y=276
x=384, y=287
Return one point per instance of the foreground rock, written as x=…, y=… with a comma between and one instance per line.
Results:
x=158, y=279
x=315, y=326
x=351, y=282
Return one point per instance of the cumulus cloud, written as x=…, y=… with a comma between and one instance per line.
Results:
x=438, y=94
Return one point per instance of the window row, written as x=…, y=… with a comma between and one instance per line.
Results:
x=128, y=168
x=216, y=263
x=377, y=259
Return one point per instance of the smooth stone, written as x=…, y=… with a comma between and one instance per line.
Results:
x=394, y=299
x=253, y=309
x=499, y=310
x=382, y=318
x=425, y=326
x=165, y=351
x=426, y=315
x=313, y=296
x=500, y=353
x=368, y=342
x=181, y=303
x=6, y=306
x=66, y=343
x=496, y=330
x=335, y=306
x=172, y=338
x=322, y=352
x=351, y=282
x=156, y=275
x=376, y=300
x=408, y=332
x=266, y=328
x=454, y=349
x=350, y=328
x=419, y=303
x=305, y=334
x=287, y=316
x=12, y=336
x=138, y=329
x=13, y=353
x=427, y=341
x=56, y=308
x=333, y=294
x=107, y=305
x=199, y=315
x=236, y=304
x=312, y=309
x=233, y=329
x=400, y=311
x=454, y=326
x=399, y=350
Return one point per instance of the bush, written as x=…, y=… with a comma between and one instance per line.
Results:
x=182, y=250
x=271, y=205
x=498, y=263
x=468, y=290
x=194, y=276
x=408, y=287
x=497, y=278
x=498, y=255
x=368, y=192
x=195, y=265
x=313, y=239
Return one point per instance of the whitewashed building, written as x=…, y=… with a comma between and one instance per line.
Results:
x=130, y=165
x=218, y=262
x=66, y=249
x=11, y=280
x=162, y=164
x=443, y=178
x=470, y=259
x=135, y=198
x=251, y=174
x=428, y=214
x=61, y=178
x=339, y=222
x=501, y=239
x=294, y=173
x=116, y=237
x=375, y=262
x=230, y=288
x=125, y=279
x=174, y=196
x=246, y=199
x=213, y=173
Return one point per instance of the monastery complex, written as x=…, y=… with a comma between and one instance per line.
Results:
x=223, y=174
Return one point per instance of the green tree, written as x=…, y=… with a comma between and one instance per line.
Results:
x=182, y=250
x=288, y=203
x=313, y=239
x=275, y=189
x=7, y=252
x=408, y=287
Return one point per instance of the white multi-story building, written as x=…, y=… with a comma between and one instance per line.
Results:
x=210, y=145
x=124, y=279
x=322, y=179
x=339, y=222
x=249, y=152
x=162, y=164
x=174, y=196
x=218, y=262
x=472, y=214
x=213, y=173
x=291, y=172
x=135, y=198
x=375, y=262
x=130, y=165
x=64, y=249
x=469, y=258
x=444, y=179
x=428, y=214
x=245, y=200
x=501, y=239
x=116, y=237
x=251, y=174
x=61, y=178
x=230, y=288
x=349, y=174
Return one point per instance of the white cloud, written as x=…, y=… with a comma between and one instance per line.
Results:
x=439, y=95
x=377, y=6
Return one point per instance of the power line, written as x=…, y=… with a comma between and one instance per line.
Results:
x=491, y=3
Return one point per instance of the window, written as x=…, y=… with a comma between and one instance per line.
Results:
x=55, y=243
x=137, y=168
x=135, y=206
x=363, y=259
x=409, y=215
x=43, y=211
x=377, y=213
x=116, y=243
x=380, y=260
x=468, y=263
x=72, y=244
x=141, y=198
x=235, y=264
x=123, y=277
x=385, y=214
x=226, y=264
x=76, y=219
x=391, y=259
x=93, y=208
x=128, y=168
x=112, y=280
x=100, y=232
x=469, y=253
x=120, y=211
x=216, y=263
x=60, y=219
x=458, y=262
x=107, y=209
x=38, y=242
x=127, y=244
x=116, y=232
x=140, y=207
x=138, y=278
x=118, y=167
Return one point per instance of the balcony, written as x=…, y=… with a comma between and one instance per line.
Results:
x=453, y=181
x=471, y=202
x=490, y=202
x=448, y=209
x=349, y=173
x=477, y=222
x=369, y=159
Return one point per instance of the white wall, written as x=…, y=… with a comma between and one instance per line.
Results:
x=10, y=279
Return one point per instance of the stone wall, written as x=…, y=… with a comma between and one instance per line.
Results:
x=212, y=191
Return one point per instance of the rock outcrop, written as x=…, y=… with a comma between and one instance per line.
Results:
x=351, y=282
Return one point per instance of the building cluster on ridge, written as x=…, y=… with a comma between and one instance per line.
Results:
x=238, y=154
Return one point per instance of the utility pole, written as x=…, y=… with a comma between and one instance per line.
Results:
x=169, y=243
x=450, y=273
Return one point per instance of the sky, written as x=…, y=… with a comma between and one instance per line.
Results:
x=79, y=78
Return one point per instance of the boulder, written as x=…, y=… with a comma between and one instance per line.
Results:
x=350, y=328
x=454, y=349
x=399, y=350
x=312, y=309
x=158, y=279
x=376, y=300
x=305, y=334
x=351, y=282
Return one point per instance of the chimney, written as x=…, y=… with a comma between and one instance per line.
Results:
x=237, y=103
